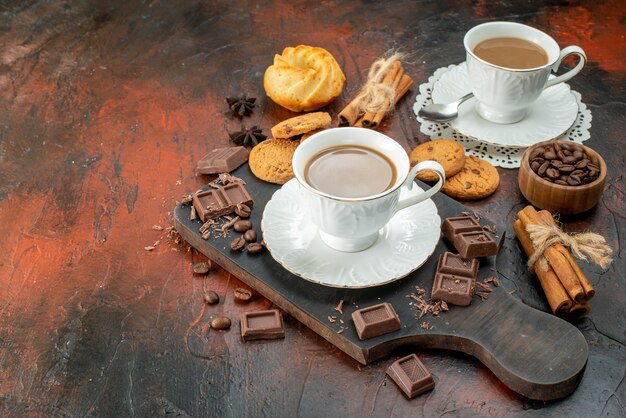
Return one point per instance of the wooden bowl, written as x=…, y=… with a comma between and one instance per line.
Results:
x=567, y=200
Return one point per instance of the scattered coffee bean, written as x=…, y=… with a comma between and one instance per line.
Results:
x=211, y=298
x=564, y=163
x=242, y=295
x=255, y=248
x=220, y=323
x=242, y=226
x=238, y=244
x=243, y=211
x=250, y=235
x=202, y=267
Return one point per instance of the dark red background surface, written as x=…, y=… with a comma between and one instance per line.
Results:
x=105, y=106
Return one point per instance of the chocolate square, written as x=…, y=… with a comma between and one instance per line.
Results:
x=262, y=325
x=455, y=264
x=235, y=193
x=475, y=244
x=375, y=320
x=411, y=376
x=453, y=289
x=454, y=226
x=210, y=204
x=222, y=160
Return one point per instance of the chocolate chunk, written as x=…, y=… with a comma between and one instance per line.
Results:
x=236, y=193
x=222, y=160
x=375, y=320
x=262, y=325
x=411, y=376
x=475, y=244
x=454, y=226
x=210, y=204
x=452, y=289
x=455, y=264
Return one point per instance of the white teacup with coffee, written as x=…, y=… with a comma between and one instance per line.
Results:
x=350, y=180
x=509, y=65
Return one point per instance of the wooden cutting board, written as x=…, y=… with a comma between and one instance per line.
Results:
x=534, y=353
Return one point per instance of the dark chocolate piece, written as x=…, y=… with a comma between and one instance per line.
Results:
x=262, y=325
x=222, y=160
x=220, y=201
x=455, y=264
x=411, y=376
x=456, y=290
x=454, y=226
x=375, y=320
x=210, y=204
x=236, y=193
x=475, y=244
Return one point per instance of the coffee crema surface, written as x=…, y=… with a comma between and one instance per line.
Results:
x=350, y=171
x=514, y=53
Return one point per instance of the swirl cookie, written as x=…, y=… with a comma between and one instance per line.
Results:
x=476, y=180
x=447, y=152
x=271, y=160
x=301, y=125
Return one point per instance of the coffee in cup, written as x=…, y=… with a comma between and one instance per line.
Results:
x=350, y=180
x=509, y=65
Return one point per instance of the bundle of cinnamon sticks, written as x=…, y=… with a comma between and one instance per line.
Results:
x=566, y=287
x=358, y=113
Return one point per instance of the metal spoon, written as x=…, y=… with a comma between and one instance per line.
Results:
x=443, y=112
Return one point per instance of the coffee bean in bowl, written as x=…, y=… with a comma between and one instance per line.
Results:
x=562, y=176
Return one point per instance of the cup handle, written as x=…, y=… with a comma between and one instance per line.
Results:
x=571, y=73
x=408, y=183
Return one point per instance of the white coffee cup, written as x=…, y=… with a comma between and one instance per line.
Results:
x=503, y=95
x=353, y=224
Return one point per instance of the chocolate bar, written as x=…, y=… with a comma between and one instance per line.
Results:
x=375, y=320
x=475, y=244
x=455, y=264
x=468, y=237
x=262, y=325
x=222, y=160
x=220, y=201
x=456, y=290
x=411, y=376
x=210, y=204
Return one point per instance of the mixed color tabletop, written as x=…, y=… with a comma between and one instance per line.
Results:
x=106, y=106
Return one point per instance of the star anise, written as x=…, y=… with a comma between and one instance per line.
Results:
x=248, y=137
x=241, y=106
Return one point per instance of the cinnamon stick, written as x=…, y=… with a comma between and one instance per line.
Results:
x=579, y=310
x=391, y=79
x=402, y=87
x=558, y=299
x=584, y=281
x=567, y=276
x=350, y=114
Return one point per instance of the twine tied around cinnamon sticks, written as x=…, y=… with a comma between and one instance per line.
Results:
x=567, y=289
x=386, y=84
x=586, y=246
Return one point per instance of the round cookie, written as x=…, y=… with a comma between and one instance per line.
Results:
x=476, y=180
x=309, y=134
x=271, y=160
x=301, y=125
x=447, y=152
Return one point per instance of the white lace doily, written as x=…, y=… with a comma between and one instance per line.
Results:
x=502, y=156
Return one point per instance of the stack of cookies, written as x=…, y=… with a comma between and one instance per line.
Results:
x=271, y=160
x=467, y=177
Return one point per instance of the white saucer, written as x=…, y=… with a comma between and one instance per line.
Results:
x=550, y=116
x=404, y=244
